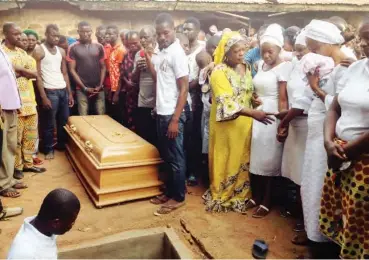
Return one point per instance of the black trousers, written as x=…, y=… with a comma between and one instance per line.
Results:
x=117, y=111
x=193, y=141
x=146, y=124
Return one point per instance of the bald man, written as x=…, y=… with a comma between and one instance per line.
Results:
x=36, y=239
x=145, y=123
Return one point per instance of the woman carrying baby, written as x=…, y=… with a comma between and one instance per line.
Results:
x=322, y=38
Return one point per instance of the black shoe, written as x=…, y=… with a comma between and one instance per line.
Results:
x=18, y=174
x=34, y=169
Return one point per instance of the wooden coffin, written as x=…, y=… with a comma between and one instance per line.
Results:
x=113, y=163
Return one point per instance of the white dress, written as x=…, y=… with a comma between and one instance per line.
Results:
x=315, y=162
x=294, y=146
x=266, y=151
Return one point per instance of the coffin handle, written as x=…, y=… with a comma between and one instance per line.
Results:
x=88, y=146
x=73, y=128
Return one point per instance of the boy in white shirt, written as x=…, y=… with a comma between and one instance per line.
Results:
x=36, y=239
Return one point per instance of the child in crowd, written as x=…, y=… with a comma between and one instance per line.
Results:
x=203, y=59
x=314, y=64
x=185, y=43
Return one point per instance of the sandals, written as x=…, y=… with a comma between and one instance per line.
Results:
x=37, y=161
x=10, y=193
x=166, y=209
x=192, y=181
x=49, y=156
x=299, y=227
x=20, y=186
x=158, y=200
x=285, y=213
x=250, y=204
x=10, y=212
x=300, y=239
x=261, y=212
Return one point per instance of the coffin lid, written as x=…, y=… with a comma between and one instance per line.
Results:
x=109, y=144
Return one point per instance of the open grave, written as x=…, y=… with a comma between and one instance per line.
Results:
x=155, y=243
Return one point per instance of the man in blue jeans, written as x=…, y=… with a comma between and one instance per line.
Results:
x=53, y=85
x=169, y=68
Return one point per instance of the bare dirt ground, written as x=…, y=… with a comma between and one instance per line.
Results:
x=228, y=235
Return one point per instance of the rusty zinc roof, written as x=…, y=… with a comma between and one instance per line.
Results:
x=212, y=5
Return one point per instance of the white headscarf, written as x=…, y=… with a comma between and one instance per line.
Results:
x=301, y=38
x=324, y=32
x=273, y=35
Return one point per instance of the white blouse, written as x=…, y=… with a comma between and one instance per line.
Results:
x=296, y=85
x=354, y=102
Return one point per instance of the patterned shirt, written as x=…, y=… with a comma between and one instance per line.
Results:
x=126, y=69
x=115, y=60
x=20, y=58
x=107, y=50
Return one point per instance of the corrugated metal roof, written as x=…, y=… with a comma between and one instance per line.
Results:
x=300, y=2
x=289, y=2
x=213, y=5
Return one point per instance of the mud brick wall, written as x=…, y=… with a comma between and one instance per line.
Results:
x=67, y=17
x=37, y=15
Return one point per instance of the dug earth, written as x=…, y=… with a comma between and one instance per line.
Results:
x=208, y=235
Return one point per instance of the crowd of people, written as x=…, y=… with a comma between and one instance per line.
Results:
x=233, y=110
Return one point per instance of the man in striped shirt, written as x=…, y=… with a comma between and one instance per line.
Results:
x=146, y=97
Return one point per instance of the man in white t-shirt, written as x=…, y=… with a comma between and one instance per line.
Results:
x=171, y=67
x=36, y=239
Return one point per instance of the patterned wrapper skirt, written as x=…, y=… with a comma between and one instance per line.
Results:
x=344, y=214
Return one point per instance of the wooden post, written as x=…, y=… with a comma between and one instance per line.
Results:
x=234, y=15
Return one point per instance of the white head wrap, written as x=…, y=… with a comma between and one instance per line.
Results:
x=273, y=35
x=301, y=38
x=324, y=32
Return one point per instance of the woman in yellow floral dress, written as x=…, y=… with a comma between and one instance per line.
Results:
x=230, y=127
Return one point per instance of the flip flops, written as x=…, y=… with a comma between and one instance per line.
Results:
x=260, y=249
x=159, y=200
x=250, y=204
x=6, y=193
x=10, y=212
x=300, y=239
x=261, y=212
x=299, y=227
x=166, y=209
x=192, y=181
x=20, y=186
